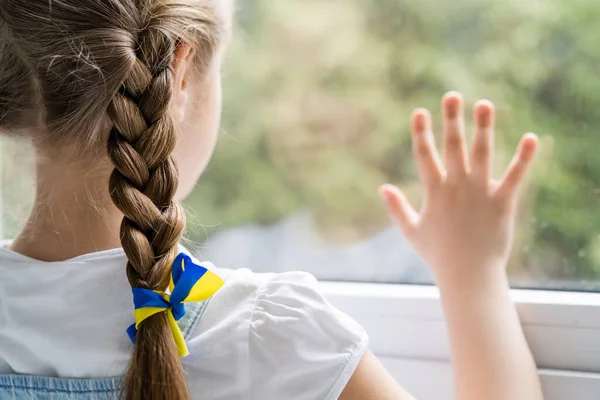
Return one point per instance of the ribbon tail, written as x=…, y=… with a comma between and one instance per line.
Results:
x=132, y=332
x=182, y=349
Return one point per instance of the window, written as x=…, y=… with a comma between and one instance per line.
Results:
x=318, y=95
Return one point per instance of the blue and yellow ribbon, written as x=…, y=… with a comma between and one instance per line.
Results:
x=190, y=283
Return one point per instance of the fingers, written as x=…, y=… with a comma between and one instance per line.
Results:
x=426, y=155
x=399, y=209
x=483, y=143
x=455, y=148
x=518, y=168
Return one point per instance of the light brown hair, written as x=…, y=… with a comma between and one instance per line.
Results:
x=98, y=74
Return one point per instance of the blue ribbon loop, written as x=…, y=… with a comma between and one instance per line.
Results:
x=190, y=282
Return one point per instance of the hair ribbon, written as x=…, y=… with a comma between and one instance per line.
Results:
x=189, y=283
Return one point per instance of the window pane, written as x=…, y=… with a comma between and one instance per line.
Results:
x=317, y=99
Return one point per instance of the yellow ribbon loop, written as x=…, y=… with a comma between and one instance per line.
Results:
x=190, y=283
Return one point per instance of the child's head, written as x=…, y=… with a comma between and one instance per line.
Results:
x=141, y=79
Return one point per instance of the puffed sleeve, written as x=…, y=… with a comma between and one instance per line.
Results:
x=300, y=346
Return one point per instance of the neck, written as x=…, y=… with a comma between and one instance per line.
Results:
x=72, y=213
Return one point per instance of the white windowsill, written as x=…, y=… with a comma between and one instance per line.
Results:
x=407, y=331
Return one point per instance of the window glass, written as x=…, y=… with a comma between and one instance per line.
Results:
x=317, y=99
x=318, y=95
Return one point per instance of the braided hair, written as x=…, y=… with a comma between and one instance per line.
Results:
x=100, y=72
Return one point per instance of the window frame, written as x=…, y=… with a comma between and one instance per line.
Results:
x=407, y=332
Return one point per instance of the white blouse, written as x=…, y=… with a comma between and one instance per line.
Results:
x=262, y=336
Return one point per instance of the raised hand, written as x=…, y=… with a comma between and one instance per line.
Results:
x=466, y=222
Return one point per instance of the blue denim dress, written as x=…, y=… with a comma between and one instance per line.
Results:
x=23, y=387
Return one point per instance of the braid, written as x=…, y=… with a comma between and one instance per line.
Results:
x=67, y=66
x=142, y=186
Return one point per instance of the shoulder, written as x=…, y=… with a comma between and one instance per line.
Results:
x=262, y=326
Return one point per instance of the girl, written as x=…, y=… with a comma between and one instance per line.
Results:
x=116, y=96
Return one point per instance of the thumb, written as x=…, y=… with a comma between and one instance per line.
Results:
x=399, y=208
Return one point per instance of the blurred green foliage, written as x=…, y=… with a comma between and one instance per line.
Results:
x=318, y=94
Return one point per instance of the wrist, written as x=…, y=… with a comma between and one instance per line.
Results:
x=483, y=296
x=469, y=279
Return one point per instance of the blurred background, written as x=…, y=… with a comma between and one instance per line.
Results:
x=318, y=95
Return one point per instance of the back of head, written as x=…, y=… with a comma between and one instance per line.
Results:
x=97, y=74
